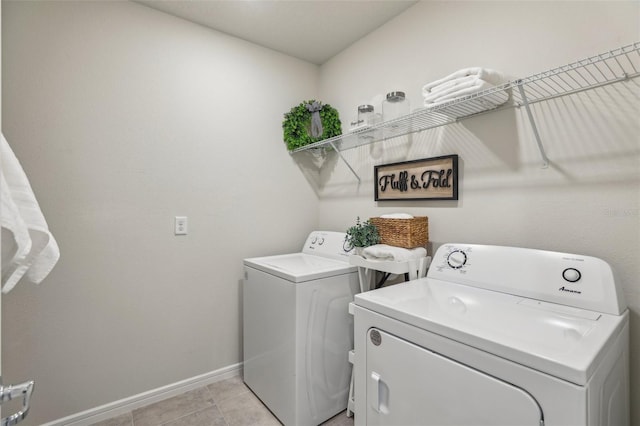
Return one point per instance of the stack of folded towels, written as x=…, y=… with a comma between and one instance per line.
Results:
x=465, y=82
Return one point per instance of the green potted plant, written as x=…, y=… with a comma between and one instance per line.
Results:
x=361, y=235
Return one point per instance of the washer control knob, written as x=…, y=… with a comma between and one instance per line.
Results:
x=314, y=239
x=321, y=241
x=571, y=274
x=457, y=259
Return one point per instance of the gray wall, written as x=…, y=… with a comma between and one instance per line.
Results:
x=124, y=117
x=587, y=202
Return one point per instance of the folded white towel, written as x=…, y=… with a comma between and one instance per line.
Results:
x=466, y=82
x=454, y=91
x=490, y=76
x=490, y=101
x=387, y=252
x=32, y=250
x=397, y=216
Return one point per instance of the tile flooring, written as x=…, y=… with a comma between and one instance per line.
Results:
x=225, y=403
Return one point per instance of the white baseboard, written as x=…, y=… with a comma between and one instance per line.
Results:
x=125, y=405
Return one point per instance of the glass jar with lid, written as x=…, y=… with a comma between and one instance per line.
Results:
x=365, y=115
x=394, y=106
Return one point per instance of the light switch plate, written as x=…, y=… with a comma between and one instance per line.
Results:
x=181, y=225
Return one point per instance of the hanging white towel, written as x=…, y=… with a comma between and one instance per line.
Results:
x=16, y=242
x=31, y=251
x=387, y=252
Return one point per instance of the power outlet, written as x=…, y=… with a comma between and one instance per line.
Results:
x=181, y=225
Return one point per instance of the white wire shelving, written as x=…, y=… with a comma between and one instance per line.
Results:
x=618, y=65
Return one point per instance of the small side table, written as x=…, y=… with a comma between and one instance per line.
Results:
x=412, y=269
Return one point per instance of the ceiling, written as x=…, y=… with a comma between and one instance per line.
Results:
x=312, y=30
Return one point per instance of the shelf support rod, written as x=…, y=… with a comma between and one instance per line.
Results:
x=534, y=128
x=345, y=161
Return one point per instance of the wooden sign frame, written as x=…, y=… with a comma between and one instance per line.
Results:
x=426, y=179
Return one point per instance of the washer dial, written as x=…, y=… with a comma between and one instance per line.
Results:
x=457, y=259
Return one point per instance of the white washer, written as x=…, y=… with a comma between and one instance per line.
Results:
x=297, y=329
x=495, y=336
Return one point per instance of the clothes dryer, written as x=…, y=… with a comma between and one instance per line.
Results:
x=495, y=336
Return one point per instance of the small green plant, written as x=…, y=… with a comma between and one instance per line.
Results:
x=362, y=234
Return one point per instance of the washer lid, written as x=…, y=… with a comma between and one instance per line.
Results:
x=559, y=340
x=300, y=267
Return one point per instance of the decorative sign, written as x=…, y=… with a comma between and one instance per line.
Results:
x=427, y=179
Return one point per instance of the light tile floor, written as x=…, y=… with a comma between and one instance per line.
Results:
x=225, y=403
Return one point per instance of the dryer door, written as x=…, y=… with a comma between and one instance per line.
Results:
x=410, y=385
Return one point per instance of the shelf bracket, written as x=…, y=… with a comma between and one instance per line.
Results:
x=534, y=128
x=345, y=161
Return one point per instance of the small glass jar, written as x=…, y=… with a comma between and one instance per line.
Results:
x=365, y=115
x=394, y=106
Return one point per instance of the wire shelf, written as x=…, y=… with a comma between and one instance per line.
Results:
x=597, y=71
x=607, y=68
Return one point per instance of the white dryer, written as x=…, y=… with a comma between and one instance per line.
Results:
x=298, y=331
x=495, y=336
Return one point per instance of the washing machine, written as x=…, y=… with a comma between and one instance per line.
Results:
x=495, y=336
x=297, y=331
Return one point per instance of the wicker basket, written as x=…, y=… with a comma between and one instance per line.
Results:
x=407, y=233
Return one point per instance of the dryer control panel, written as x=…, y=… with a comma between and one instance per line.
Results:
x=569, y=279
